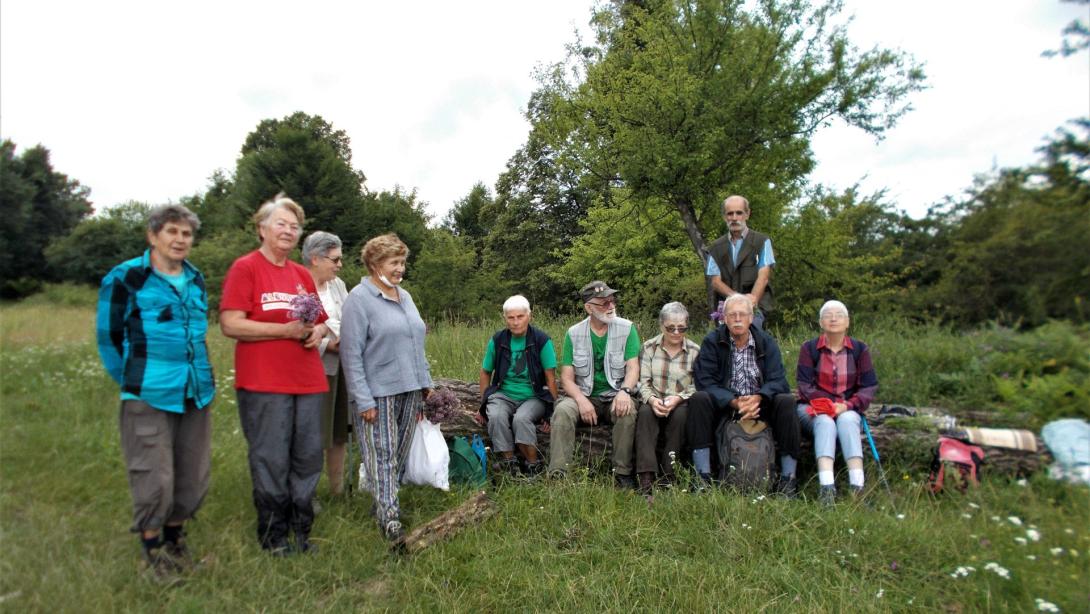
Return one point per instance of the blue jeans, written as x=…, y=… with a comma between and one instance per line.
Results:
x=826, y=431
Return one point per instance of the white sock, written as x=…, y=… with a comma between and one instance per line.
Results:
x=855, y=477
x=825, y=478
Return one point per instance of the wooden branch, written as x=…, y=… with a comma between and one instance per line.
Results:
x=473, y=511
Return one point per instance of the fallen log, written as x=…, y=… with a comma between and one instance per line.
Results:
x=906, y=441
x=473, y=511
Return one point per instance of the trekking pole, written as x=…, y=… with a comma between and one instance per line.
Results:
x=874, y=451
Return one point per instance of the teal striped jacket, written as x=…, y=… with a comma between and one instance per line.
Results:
x=151, y=336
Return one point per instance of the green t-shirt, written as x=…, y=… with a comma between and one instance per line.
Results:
x=598, y=347
x=516, y=384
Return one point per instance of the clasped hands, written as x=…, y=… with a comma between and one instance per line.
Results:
x=748, y=406
x=663, y=407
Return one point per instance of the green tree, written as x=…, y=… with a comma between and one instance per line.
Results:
x=684, y=101
x=380, y=212
x=99, y=243
x=447, y=283
x=307, y=158
x=464, y=218
x=38, y=205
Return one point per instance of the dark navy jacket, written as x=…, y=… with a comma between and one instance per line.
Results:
x=535, y=340
x=713, y=368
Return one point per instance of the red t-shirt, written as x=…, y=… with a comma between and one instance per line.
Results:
x=264, y=291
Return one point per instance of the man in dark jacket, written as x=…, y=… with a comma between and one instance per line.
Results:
x=518, y=387
x=739, y=375
x=741, y=261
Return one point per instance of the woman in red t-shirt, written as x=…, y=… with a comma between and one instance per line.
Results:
x=271, y=308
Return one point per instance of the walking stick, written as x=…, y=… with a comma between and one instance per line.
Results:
x=874, y=451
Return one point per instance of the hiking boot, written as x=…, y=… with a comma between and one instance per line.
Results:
x=303, y=545
x=647, y=483
x=180, y=553
x=504, y=469
x=857, y=492
x=827, y=495
x=279, y=547
x=160, y=566
x=624, y=482
x=532, y=471
x=787, y=487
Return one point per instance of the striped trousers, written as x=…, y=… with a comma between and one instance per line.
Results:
x=384, y=446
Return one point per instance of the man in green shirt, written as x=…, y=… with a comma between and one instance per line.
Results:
x=518, y=387
x=599, y=369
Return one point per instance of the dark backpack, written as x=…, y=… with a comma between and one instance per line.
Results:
x=467, y=464
x=746, y=460
x=955, y=464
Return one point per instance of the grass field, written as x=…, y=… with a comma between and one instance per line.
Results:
x=575, y=546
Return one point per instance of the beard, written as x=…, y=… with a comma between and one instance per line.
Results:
x=605, y=318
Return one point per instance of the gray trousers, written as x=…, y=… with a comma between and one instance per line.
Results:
x=513, y=422
x=168, y=458
x=284, y=432
x=562, y=442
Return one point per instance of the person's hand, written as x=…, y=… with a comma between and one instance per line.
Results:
x=426, y=392
x=478, y=418
x=671, y=402
x=586, y=411
x=749, y=407
x=622, y=404
x=545, y=427
x=333, y=345
x=314, y=339
x=419, y=416
x=297, y=329
x=840, y=408
x=369, y=415
x=658, y=407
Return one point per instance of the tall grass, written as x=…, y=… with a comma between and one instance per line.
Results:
x=572, y=546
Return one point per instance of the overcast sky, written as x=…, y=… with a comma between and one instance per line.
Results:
x=144, y=100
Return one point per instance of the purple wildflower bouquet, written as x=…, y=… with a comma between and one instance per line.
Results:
x=717, y=315
x=442, y=405
x=305, y=307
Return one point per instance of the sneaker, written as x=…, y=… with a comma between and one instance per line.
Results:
x=533, y=470
x=787, y=487
x=160, y=566
x=857, y=492
x=624, y=482
x=827, y=495
x=394, y=533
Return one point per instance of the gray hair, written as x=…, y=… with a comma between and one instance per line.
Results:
x=165, y=214
x=318, y=244
x=280, y=201
x=829, y=306
x=673, y=311
x=517, y=302
x=737, y=298
x=723, y=207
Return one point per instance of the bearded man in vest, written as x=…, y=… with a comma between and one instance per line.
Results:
x=599, y=370
x=741, y=261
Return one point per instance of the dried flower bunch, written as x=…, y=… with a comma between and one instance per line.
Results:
x=441, y=405
x=305, y=307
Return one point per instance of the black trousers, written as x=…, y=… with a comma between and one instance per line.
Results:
x=779, y=413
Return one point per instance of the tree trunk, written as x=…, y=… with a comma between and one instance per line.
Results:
x=696, y=237
x=475, y=510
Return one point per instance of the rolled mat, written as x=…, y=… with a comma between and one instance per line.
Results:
x=1014, y=439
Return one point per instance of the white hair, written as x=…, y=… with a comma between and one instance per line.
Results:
x=737, y=298
x=517, y=302
x=829, y=306
x=673, y=311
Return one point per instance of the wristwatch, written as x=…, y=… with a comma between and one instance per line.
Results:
x=629, y=391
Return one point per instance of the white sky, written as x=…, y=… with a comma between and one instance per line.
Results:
x=144, y=100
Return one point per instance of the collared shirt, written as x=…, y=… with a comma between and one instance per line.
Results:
x=151, y=333
x=662, y=375
x=837, y=375
x=765, y=258
x=745, y=377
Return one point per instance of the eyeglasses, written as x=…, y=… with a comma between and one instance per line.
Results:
x=738, y=315
x=675, y=329
x=336, y=260
x=609, y=300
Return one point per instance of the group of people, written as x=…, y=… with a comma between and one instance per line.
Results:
x=314, y=360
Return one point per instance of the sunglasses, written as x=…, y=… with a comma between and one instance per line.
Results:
x=675, y=329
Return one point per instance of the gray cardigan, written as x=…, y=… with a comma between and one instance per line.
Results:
x=382, y=346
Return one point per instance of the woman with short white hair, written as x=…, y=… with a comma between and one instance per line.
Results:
x=836, y=383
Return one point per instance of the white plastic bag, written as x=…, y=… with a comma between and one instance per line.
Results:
x=428, y=457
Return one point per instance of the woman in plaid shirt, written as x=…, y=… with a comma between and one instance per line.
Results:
x=836, y=385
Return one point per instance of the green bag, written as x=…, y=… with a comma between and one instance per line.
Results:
x=466, y=462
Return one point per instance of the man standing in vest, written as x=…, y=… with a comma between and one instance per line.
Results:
x=599, y=370
x=518, y=387
x=741, y=261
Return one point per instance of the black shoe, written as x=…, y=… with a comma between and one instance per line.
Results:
x=827, y=495
x=624, y=482
x=180, y=553
x=532, y=471
x=303, y=545
x=161, y=567
x=787, y=487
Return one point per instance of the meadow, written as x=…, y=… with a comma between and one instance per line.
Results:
x=578, y=545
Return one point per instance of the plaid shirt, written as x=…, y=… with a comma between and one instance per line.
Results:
x=745, y=378
x=662, y=376
x=837, y=376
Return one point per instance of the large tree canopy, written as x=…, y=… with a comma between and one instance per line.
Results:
x=684, y=101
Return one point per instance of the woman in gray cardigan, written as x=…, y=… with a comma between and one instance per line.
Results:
x=382, y=353
x=322, y=257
